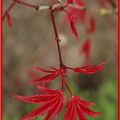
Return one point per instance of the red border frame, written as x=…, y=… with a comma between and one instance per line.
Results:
x=1, y=60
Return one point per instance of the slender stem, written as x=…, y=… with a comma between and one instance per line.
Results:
x=59, y=51
x=68, y=88
x=8, y=10
x=56, y=38
x=26, y=4
x=18, y=2
x=62, y=84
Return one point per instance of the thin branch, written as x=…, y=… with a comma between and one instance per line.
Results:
x=18, y=2
x=21, y=2
x=56, y=6
x=68, y=88
x=56, y=38
x=59, y=51
x=8, y=9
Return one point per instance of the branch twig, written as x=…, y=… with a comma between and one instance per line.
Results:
x=56, y=6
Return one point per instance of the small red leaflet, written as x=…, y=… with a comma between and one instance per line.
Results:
x=9, y=20
x=86, y=49
x=92, y=25
x=52, y=74
x=77, y=106
x=78, y=14
x=51, y=102
x=75, y=13
x=89, y=69
x=73, y=28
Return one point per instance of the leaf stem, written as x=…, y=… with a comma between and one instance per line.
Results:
x=56, y=38
x=68, y=88
x=59, y=51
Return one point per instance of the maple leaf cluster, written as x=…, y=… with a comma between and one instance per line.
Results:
x=51, y=102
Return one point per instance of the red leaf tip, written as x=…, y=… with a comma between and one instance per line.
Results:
x=77, y=106
x=9, y=20
x=52, y=102
x=89, y=69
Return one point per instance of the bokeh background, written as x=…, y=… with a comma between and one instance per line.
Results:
x=30, y=42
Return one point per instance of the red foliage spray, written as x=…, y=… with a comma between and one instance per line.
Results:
x=52, y=102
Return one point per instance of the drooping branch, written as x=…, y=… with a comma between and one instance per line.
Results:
x=56, y=6
x=59, y=52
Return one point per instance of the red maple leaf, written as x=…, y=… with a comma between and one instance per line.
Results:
x=52, y=74
x=51, y=102
x=77, y=106
x=89, y=69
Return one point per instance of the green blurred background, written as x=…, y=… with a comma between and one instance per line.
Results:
x=30, y=42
